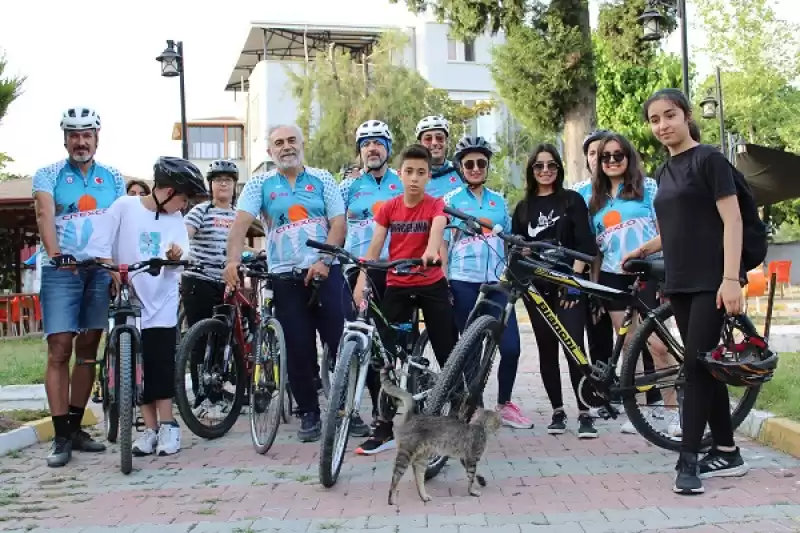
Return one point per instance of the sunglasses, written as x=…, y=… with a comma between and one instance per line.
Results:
x=617, y=157
x=471, y=164
x=552, y=166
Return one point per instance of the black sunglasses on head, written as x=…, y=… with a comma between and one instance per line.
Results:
x=552, y=166
x=617, y=157
x=470, y=165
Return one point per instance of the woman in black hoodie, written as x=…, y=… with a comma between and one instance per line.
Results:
x=549, y=212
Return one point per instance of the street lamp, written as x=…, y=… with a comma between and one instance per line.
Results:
x=171, y=60
x=652, y=21
x=710, y=105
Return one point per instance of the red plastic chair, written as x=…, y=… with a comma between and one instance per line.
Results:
x=782, y=271
x=10, y=323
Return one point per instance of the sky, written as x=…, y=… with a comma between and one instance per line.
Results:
x=102, y=54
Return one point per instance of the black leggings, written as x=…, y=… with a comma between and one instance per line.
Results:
x=574, y=321
x=705, y=398
x=199, y=298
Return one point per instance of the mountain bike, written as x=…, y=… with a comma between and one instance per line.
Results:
x=463, y=387
x=361, y=346
x=122, y=369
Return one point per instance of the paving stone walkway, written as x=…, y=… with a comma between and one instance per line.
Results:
x=537, y=483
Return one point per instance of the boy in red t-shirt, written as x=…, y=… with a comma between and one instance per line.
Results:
x=417, y=223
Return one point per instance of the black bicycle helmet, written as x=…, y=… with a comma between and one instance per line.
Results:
x=469, y=144
x=180, y=175
x=222, y=166
x=596, y=135
x=748, y=363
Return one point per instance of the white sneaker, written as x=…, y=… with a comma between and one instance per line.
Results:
x=673, y=420
x=628, y=428
x=658, y=411
x=146, y=443
x=169, y=439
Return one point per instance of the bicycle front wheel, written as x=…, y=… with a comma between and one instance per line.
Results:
x=125, y=402
x=268, y=390
x=109, y=381
x=218, y=388
x=336, y=425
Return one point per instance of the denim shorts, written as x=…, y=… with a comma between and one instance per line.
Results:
x=74, y=301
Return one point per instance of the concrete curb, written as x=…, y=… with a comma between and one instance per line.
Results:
x=14, y=393
x=774, y=431
x=36, y=432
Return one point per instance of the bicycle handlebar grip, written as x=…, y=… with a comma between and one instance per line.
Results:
x=324, y=247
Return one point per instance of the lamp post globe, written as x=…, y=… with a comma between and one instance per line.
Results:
x=170, y=61
x=709, y=105
x=652, y=22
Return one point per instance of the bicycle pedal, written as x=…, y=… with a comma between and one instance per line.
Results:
x=139, y=424
x=97, y=399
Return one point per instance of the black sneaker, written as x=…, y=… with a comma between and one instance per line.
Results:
x=688, y=480
x=382, y=439
x=559, y=423
x=722, y=464
x=310, y=427
x=83, y=442
x=60, y=452
x=357, y=427
x=586, y=429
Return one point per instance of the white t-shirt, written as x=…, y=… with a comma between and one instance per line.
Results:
x=130, y=233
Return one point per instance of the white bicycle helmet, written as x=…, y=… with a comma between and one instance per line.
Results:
x=433, y=122
x=80, y=118
x=373, y=129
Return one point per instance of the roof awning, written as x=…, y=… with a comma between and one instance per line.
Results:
x=773, y=175
x=281, y=42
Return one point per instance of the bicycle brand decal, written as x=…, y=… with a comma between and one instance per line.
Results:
x=558, y=328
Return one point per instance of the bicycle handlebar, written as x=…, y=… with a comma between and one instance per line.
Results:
x=475, y=225
x=400, y=266
x=154, y=262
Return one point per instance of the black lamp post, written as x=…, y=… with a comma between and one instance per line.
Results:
x=652, y=21
x=171, y=60
x=710, y=105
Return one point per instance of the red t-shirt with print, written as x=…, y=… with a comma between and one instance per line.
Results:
x=409, y=229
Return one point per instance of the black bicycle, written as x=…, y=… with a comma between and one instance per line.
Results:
x=466, y=373
x=362, y=346
x=121, y=369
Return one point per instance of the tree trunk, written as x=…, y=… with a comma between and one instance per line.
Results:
x=578, y=123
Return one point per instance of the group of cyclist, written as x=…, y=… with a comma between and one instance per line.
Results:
x=379, y=213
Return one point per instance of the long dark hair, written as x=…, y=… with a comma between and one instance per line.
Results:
x=632, y=179
x=532, y=186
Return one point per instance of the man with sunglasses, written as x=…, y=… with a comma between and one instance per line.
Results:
x=473, y=261
x=433, y=133
x=599, y=330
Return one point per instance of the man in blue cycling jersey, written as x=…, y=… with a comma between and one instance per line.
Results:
x=71, y=197
x=296, y=203
x=433, y=132
x=475, y=260
x=363, y=197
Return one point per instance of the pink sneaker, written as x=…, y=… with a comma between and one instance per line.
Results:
x=513, y=417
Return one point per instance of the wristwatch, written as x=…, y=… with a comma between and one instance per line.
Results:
x=326, y=260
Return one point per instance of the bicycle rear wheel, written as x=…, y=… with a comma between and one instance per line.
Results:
x=336, y=424
x=269, y=380
x=641, y=416
x=125, y=401
x=214, y=381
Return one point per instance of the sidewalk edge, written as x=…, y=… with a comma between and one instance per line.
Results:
x=35, y=432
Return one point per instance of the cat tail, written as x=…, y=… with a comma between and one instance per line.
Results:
x=396, y=392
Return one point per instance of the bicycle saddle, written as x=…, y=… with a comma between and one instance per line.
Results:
x=652, y=269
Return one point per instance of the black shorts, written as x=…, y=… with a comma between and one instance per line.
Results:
x=158, y=353
x=623, y=282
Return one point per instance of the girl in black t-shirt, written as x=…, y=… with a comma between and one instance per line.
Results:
x=697, y=209
x=551, y=213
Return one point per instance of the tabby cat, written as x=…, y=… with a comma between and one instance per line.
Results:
x=420, y=437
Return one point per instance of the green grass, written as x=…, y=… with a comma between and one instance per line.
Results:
x=22, y=361
x=16, y=417
x=781, y=395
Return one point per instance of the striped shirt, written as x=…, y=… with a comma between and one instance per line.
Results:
x=208, y=246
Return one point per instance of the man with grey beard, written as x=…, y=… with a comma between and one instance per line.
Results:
x=71, y=197
x=296, y=203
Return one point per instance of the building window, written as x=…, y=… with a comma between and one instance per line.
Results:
x=235, y=135
x=207, y=142
x=452, y=50
x=469, y=51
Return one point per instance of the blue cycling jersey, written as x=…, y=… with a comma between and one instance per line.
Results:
x=477, y=259
x=292, y=215
x=447, y=179
x=363, y=197
x=80, y=202
x=621, y=226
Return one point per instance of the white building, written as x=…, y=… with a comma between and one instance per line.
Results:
x=461, y=68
